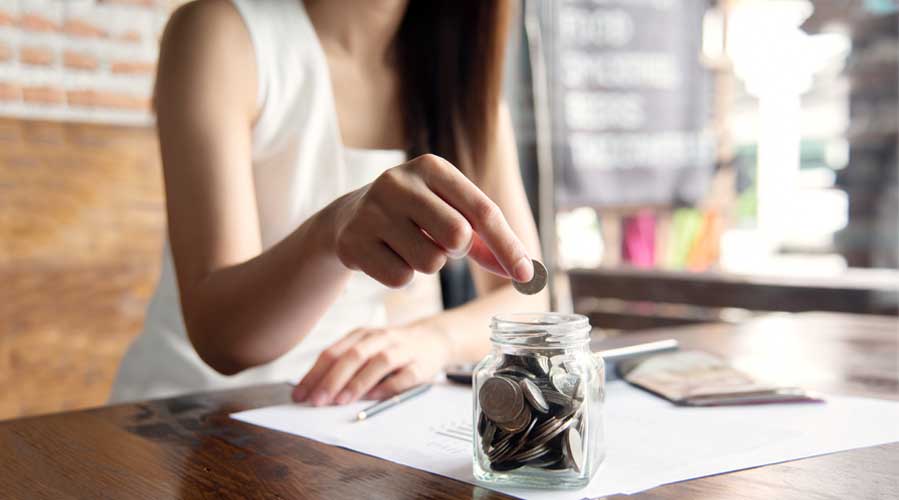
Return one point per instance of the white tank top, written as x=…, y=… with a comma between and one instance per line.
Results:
x=299, y=166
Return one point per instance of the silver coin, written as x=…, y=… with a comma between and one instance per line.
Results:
x=537, y=283
x=548, y=430
x=487, y=439
x=501, y=399
x=515, y=371
x=572, y=411
x=544, y=384
x=574, y=448
x=499, y=450
x=505, y=438
x=547, y=424
x=566, y=383
x=532, y=454
x=539, y=365
x=558, y=360
x=529, y=453
x=522, y=441
x=534, y=395
x=519, y=423
x=580, y=390
x=557, y=398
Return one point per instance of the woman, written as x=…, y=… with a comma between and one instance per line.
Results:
x=293, y=138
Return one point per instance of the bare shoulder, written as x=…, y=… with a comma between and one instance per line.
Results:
x=204, y=25
x=205, y=16
x=206, y=43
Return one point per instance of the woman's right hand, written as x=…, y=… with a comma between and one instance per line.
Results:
x=415, y=215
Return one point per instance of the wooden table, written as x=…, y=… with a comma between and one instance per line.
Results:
x=187, y=447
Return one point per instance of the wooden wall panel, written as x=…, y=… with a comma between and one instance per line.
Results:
x=81, y=226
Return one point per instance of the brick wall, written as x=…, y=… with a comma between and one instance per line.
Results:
x=81, y=228
x=81, y=204
x=83, y=61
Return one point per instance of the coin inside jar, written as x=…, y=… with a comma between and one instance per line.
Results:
x=557, y=398
x=532, y=414
x=537, y=282
x=574, y=448
x=522, y=441
x=515, y=371
x=488, y=435
x=518, y=423
x=534, y=395
x=501, y=399
x=546, y=432
x=566, y=383
x=539, y=365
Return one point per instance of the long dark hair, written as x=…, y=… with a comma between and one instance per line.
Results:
x=451, y=55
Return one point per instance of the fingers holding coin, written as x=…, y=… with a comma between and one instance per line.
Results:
x=415, y=215
x=536, y=283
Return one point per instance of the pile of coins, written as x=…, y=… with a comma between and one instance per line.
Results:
x=531, y=414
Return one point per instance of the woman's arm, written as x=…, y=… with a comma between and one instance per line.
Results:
x=242, y=306
x=356, y=366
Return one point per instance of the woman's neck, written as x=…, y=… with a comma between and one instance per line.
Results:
x=361, y=29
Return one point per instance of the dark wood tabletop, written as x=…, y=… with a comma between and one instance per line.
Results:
x=187, y=447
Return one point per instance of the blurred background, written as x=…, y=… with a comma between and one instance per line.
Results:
x=687, y=161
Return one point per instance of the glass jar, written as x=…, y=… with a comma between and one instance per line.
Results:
x=538, y=403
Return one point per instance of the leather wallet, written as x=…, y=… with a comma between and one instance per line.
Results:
x=696, y=378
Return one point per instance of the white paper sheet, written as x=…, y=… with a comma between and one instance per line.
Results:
x=649, y=441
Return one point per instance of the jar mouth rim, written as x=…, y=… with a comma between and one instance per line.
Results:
x=545, y=329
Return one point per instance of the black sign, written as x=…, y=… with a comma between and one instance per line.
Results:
x=630, y=101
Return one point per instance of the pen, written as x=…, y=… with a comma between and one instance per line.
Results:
x=391, y=402
x=614, y=357
x=620, y=353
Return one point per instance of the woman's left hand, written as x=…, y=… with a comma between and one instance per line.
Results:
x=373, y=364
